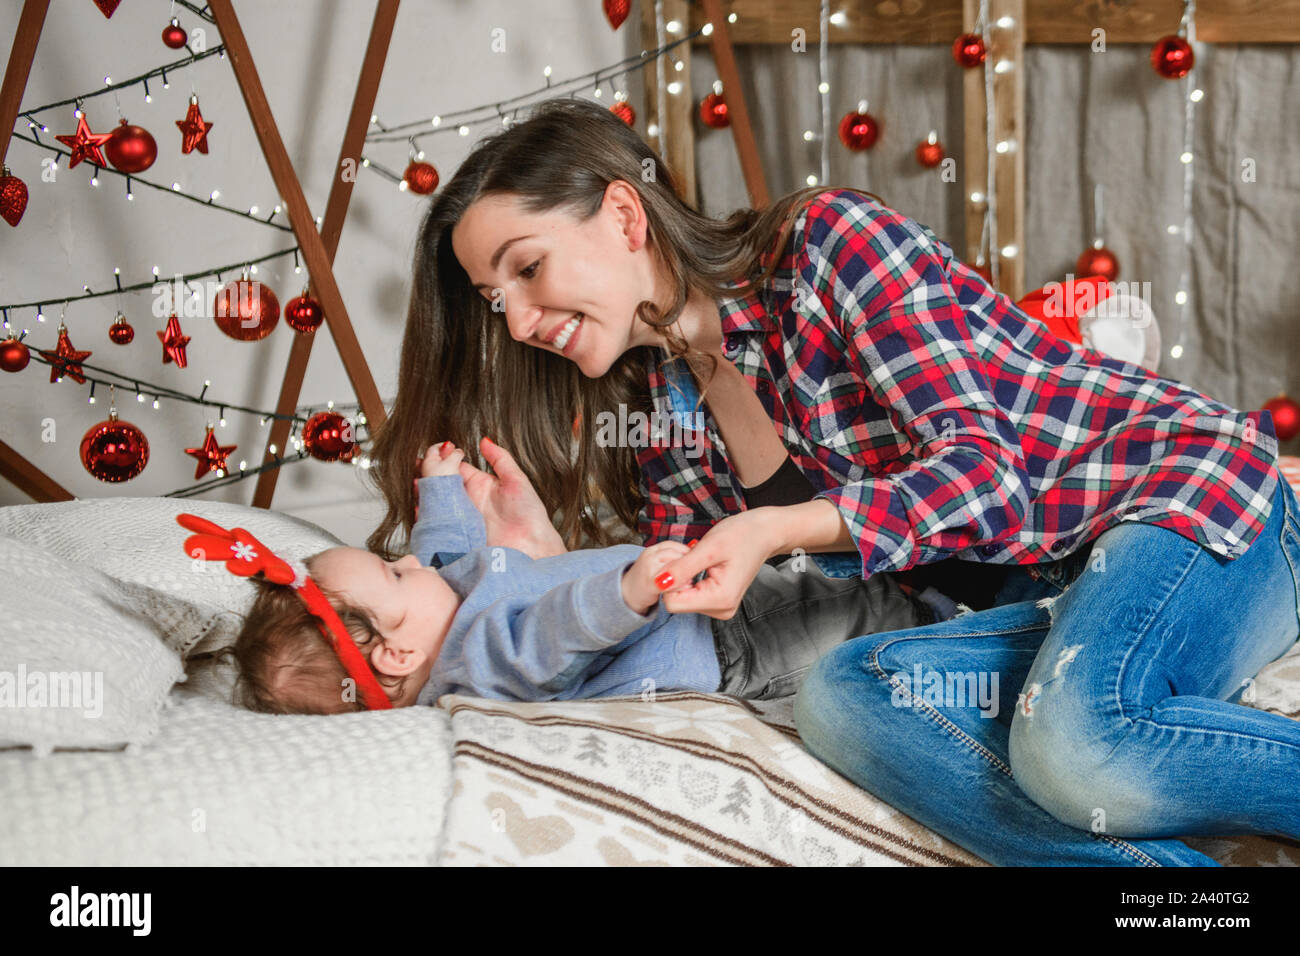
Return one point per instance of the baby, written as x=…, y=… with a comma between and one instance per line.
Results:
x=494, y=622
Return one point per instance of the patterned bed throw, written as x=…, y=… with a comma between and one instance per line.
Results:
x=706, y=781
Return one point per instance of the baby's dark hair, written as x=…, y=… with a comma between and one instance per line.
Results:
x=286, y=666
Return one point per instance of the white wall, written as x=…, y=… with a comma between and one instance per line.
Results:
x=308, y=54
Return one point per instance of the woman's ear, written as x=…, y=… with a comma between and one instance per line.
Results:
x=392, y=661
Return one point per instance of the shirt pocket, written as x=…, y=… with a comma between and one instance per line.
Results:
x=844, y=418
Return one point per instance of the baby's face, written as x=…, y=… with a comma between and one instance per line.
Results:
x=411, y=607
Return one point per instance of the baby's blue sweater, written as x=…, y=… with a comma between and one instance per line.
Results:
x=548, y=628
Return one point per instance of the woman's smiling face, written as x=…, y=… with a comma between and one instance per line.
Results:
x=568, y=287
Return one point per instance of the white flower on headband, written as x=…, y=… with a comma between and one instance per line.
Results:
x=299, y=572
x=244, y=551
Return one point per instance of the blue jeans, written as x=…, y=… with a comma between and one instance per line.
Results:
x=1091, y=715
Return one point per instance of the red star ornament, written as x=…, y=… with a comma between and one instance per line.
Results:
x=210, y=455
x=85, y=144
x=194, y=131
x=65, y=360
x=173, y=342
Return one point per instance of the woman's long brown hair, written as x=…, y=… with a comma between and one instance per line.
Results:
x=463, y=376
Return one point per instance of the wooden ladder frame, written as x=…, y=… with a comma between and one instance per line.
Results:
x=318, y=247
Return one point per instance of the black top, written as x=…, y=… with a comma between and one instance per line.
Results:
x=787, y=486
x=973, y=583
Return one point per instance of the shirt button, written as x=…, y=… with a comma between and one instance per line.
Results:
x=731, y=344
x=1061, y=544
x=762, y=386
x=990, y=548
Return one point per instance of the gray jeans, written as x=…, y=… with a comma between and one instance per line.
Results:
x=789, y=618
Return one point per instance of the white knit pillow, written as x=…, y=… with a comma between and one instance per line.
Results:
x=198, y=604
x=82, y=662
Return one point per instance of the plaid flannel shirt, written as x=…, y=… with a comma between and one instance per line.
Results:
x=941, y=420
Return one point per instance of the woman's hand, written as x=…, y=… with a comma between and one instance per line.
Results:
x=513, y=514
x=732, y=552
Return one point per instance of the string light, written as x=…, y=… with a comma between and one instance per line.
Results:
x=142, y=389
x=149, y=284
x=111, y=87
x=989, y=230
x=469, y=117
x=823, y=91
x=170, y=190
x=1187, y=28
x=220, y=482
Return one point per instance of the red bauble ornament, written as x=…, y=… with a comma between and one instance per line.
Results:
x=194, y=129
x=85, y=144
x=173, y=342
x=1097, y=261
x=14, y=356
x=114, y=450
x=616, y=12
x=968, y=50
x=66, y=360
x=1286, y=416
x=120, y=331
x=13, y=197
x=623, y=110
x=131, y=149
x=106, y=7
x=929, y=153
x=713, y=111
x=859, y=130
x=174, y=35
x=246, y=310
x=1172, y=57
x=420, y=178
x=328, y=437
x=210, y=455
x=304, y=314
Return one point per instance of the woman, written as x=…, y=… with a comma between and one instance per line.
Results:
x=869, y=394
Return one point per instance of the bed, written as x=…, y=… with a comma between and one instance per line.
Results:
x=170, y=773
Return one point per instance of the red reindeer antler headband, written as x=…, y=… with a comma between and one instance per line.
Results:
x=245, y=556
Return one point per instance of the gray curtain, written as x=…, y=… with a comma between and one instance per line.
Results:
x=1091, y=118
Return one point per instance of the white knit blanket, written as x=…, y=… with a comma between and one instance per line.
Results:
x=687, y=779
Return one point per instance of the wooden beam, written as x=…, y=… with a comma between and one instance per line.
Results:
x=1008, y=122
x=19, y=67
x=674, y=120
x=300, y=217
x=1046, y=21
x=336, y=209
x=724, y=56
x=29, y=479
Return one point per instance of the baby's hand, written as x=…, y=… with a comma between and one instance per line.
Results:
x=443, y=459
x=640, y=592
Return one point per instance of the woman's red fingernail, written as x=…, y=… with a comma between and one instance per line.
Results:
x=664, y=581
x=445, y=446
x=693, y=542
